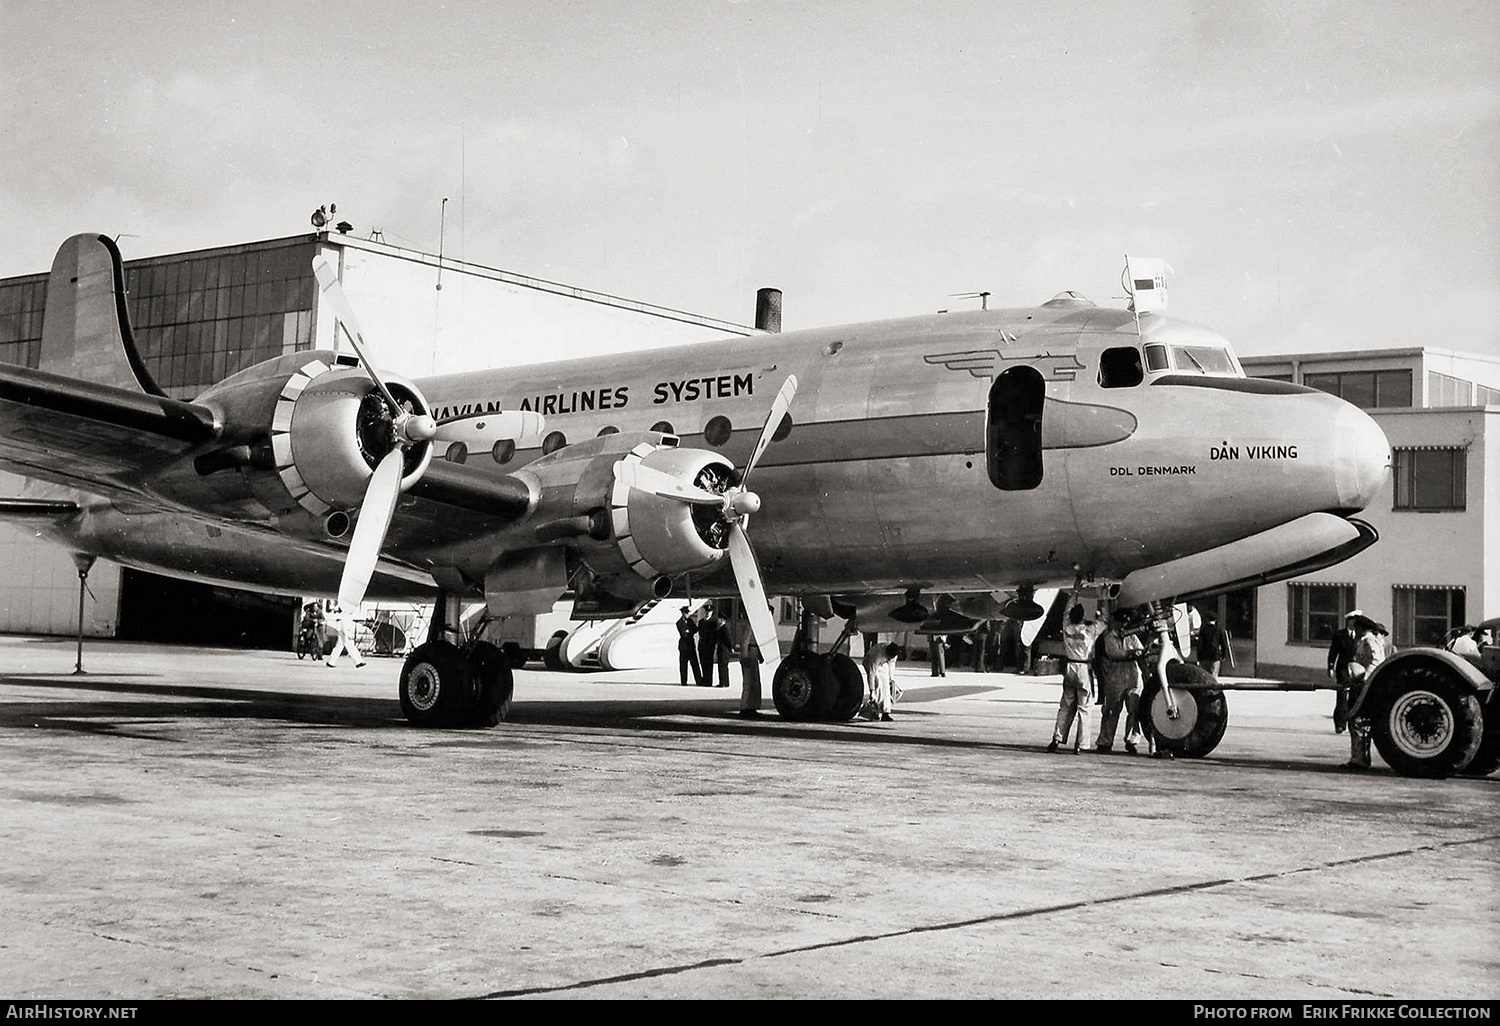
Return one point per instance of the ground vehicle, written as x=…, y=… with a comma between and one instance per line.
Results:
x=1433, y=713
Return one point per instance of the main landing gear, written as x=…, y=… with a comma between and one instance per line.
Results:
x=818, y=686
x=448, y=684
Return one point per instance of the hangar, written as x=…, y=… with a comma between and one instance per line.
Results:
x=200, y=316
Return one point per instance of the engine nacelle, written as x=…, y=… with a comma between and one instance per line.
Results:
x=630, y=543
x=664, y=537
x=329, y=427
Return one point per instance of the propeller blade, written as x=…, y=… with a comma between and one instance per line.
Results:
x=779, y=406
x=645, y=479
x=753, y=594
x=482, y=431
x=369, y=533
x=333, y=294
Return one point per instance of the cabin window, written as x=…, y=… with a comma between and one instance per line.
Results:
x=663, y=427
x=608, y=429
x=1120, y=368
x=717, y=431
x=504, y=451
x=554, y=441
x=1013, y=434
x=783, y=429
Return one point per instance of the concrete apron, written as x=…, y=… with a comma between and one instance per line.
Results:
x=189, y=823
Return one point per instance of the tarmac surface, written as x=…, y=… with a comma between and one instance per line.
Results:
x=184, y=823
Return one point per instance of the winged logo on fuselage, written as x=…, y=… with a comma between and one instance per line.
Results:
x=986, y=363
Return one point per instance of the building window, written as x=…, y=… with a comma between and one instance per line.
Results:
x=1366, y=389
x=1445, y=390
x=1430, y=479
x=1315, y=612
x=1426, y=613
x=1486, y=396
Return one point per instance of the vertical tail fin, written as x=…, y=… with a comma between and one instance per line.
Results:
x=86, y=328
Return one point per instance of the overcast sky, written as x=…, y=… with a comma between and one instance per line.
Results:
x=1320, y=175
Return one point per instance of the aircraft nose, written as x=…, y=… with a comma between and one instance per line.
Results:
x=1363, y=455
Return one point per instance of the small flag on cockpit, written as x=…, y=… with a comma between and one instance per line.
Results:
x=1146, y=283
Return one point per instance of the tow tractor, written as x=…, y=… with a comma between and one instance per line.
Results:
x=1433, y=713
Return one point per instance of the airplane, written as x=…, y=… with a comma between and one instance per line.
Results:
x=910, y=471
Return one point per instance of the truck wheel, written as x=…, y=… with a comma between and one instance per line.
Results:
x=851, y=688
x=435, y=686
x=492, y=683
x=1424, y=723
x=804, y=688
x=1203, y=715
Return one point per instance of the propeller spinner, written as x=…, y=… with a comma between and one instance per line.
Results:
x=736, y=503
x=408, y=428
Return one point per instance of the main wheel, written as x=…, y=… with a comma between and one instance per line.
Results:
x=851, y=688
x=493, y=685
x=804, y=687
x=435, y=686
x=1202, y=718
x=1424, y=722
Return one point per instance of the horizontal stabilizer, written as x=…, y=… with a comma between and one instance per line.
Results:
x=88, y=435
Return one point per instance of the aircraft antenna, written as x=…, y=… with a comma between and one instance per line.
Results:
x=983, y=297
x=442, y=227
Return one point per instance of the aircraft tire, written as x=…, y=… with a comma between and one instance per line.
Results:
x=435, y=687
x=851, y=688
x=1204, y=715
x=493, y=685
x=552, y=655
x=1424, y=722
x=803, y=688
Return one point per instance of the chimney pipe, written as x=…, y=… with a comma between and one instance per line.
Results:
x=768, y=309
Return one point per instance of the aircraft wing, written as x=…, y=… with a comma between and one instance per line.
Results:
x=88, y=436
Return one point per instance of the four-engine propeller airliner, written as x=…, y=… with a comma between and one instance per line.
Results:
x=947, y=464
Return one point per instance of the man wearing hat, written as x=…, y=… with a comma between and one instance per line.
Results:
x=687, y=647
x=1340, y=651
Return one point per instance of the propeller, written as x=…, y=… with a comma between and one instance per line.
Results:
x=408, y=429
x=737, y=503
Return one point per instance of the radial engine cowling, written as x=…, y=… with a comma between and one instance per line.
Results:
x=651, y=537
x=330, y=430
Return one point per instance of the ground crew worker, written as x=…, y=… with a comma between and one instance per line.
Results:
x=1369, y=652
x=1119, y=682
x=1078, y=678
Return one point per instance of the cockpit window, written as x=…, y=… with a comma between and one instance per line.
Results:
x=1157, y=359
x=1120, y=368
x=1202, y=360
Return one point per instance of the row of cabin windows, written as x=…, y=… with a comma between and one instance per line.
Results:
x=716, y=433
x=1421, y=614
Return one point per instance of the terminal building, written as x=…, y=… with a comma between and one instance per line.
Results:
x=201, y=316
